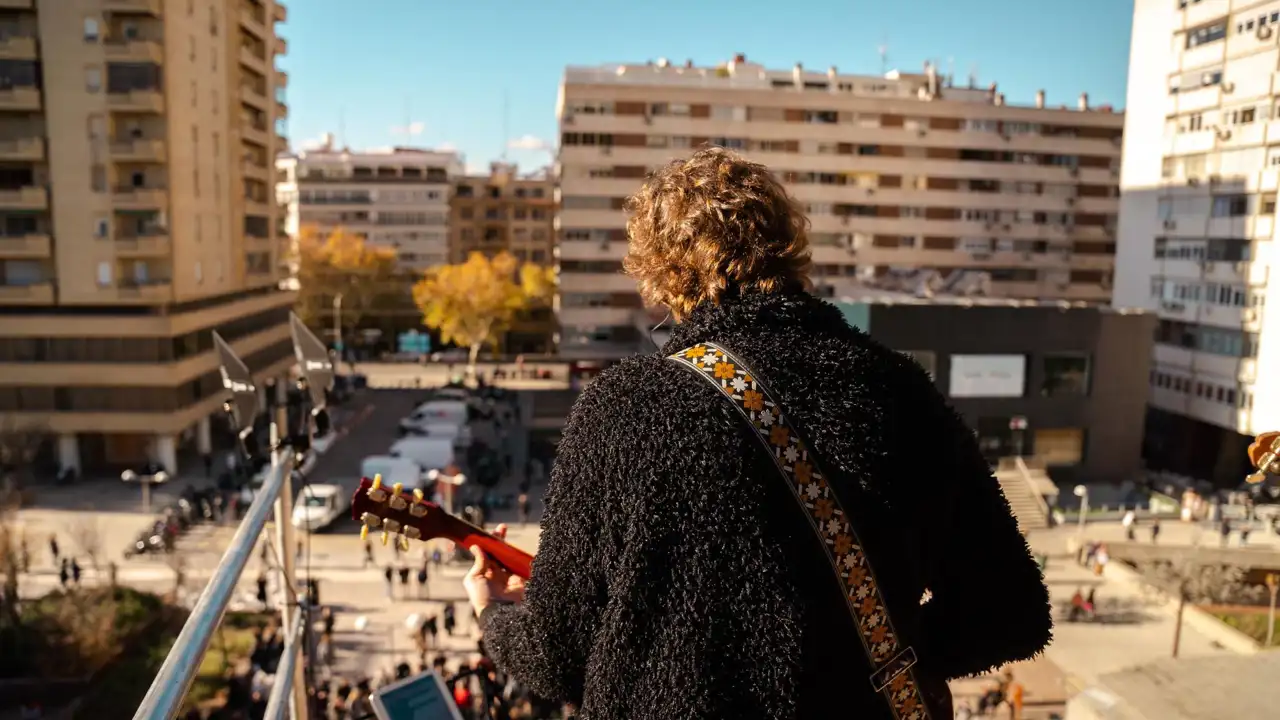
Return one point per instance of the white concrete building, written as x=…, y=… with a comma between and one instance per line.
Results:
x=897, y=172
x=1201, y=166
x=396, y=198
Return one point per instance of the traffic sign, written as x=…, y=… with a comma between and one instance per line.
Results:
x=414, y=342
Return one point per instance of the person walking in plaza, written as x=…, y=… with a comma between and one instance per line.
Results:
x=390, y=574
x=404, y=581
x=450, y=618
x=1244, y=535
x=53, y=548
x=75, y=571
x=1224, y=531
x=24, y=555
x=64, y=572
x=262, y=592
x=422, y=581
x=368, y=554
x=1155, y=530
x=1129, y=522
x=524, y=508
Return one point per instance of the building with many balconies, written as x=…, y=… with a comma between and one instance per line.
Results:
x=136, y=139
x=1197, y=227
x=897, y=172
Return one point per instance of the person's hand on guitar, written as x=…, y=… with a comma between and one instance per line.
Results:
x=487, y=582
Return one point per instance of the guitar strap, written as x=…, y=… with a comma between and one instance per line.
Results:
x=894, y=675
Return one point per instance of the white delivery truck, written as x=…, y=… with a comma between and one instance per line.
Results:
x=319, y=505
x=439, y=412
x=428, y=452
x=394, y=470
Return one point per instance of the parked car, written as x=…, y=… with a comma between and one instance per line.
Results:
x=319, y=505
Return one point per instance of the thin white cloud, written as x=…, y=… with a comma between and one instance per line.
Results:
x=413, y=128
x=528, y=142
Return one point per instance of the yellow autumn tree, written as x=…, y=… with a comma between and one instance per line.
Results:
x=471, y=304
x=342, y=263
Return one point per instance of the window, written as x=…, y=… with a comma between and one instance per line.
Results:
x=1230, y=205
x=199, y=273
x=1065, y=375
x=1059, y=446
x=1206, y=34
x=93, y=79
x=101, y=227
x=97, y=127
x=104, y=274
x=91, y=29
x=988, y=375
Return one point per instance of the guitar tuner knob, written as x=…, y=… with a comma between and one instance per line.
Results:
x=377, y=494
x=397, y=488
x=391, y=526
x=397, y=502
x=418, y=496
x=412, y=533
x=404, y=543
x=385, y=537
x=370, y=520
x=417, y=510
x=364, y=532
x=377, y=482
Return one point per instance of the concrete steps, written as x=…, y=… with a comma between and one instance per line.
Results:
x=1022, y=499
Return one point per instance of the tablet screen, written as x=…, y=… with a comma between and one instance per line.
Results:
x=421, y=697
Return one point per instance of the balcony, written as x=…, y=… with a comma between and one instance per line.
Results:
x=282, y=78
x=256, y=207
x=140, y=198
x=17, y=47
x=17, y=4
x=255, y=170
x=142, y=51
x=20, y=98
x=142, y=293
x=140, y=150
x=24, y=247
x=282, y=110
x=135, y=246
x=146, y=7
x=279, y=12
x=281, y=46
x=251, y=132
x=27, y=198
x=34, y=294
x=140, y=101
x=251, y=59
x=30, y=149
x=254, y=19
x=254, y=95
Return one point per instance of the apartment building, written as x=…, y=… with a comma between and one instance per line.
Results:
x=1197, y=225
x=507, y=211
x=897, y=172
x=135, y=217
x=395, y=198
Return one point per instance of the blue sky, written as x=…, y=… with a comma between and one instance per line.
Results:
x=433, y=72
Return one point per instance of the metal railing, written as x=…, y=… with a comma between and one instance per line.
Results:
x=164, y=699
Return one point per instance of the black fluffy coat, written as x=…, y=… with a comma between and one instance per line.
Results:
x=675, y=578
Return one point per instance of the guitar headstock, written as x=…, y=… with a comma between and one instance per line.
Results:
x=1264, y=453
x=407, y=516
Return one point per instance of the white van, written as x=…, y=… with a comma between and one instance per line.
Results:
x=319, y=505
x=439, y=412
x=393, y=470
x=459, y=434
x=428, y=452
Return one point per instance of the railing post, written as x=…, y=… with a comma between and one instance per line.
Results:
x=290, y=612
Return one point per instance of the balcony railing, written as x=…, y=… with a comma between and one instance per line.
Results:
x=24, y=246
x=150, y=7
x=137, y=101
x=17, y=46
x=254, y=17
x=252, y=59
x=279, y=12
x=164, y=699
x=20, y=98
x=33, y=294
x=135, y=50
x=150, y=291
x=29, y=148
x=142, y=245
x=26, y=198
x=140, y=198
x=139, y=150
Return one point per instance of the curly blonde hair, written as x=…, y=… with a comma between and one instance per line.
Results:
x=714, y=225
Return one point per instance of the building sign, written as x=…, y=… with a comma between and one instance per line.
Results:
x=991, y=376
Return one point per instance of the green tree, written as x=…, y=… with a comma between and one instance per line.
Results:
x=473, y=303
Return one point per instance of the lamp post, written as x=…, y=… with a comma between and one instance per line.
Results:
x=337, y=324
x=1082, y=492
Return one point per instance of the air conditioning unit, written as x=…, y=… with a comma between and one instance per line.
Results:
x=1228, y=87
x=1264, y=32
x=1224, y=133
x=1170, y=224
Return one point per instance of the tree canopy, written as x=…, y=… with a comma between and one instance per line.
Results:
x=473, y=303
x=341, y=262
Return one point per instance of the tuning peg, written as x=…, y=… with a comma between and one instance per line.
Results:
x=376, y=492
x=364, y=532
x=391, y=526
x=404, y=542
x=385, y=536
x=411, y=533
x=370, y=520
x=397, y=488
x=417, y=495
x=377, y=481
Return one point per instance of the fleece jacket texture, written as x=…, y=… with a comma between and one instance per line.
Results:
x=677, y=578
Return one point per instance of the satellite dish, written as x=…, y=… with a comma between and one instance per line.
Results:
x=313, y=359
x=238, y=381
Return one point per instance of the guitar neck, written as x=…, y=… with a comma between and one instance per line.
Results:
x=510, y=557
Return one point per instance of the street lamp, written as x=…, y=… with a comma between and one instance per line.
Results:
x=1082, y=492
x=337, y=324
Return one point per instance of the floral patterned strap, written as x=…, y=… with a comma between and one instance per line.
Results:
x=894, y=675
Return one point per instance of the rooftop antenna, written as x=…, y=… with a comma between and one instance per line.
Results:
x=883, y=50
x=973, y=76
x=951, y=70
x=506, y=123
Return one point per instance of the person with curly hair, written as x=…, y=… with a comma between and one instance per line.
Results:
x=677, y=576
